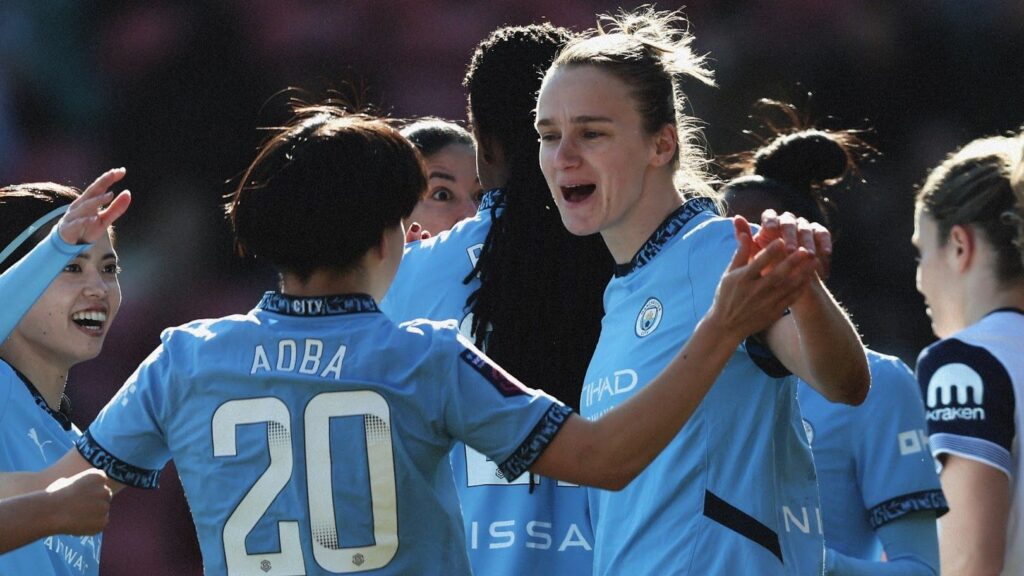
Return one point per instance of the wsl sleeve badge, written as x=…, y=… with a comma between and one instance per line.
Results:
x=649, y=318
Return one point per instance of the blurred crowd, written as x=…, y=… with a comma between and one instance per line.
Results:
x=175, y=91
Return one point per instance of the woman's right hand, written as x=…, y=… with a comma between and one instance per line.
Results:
x=89, y=216
x=760, y=283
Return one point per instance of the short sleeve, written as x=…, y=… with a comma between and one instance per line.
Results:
x=127, y=438
x=895, y=471
x=969, y=403
x=497, y=415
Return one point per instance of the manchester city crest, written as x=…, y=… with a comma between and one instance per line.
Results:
x=649, y=318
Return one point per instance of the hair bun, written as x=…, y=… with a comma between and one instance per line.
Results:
x=803, y=159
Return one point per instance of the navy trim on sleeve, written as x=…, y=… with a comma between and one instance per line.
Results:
x=902, y=505
x=535, y=443
x=121, y=471
x=972, y=448
x=764, y=359
x=967, y=392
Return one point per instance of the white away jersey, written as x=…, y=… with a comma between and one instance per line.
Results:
x=312, y=435
x=973, y=387
x=735, y=491
x=512, y=528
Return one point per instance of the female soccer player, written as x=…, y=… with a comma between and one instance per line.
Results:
x=735, y=491
x=528, y=292
x=453, y=190
x=45, y=329
x=879, y=490
x=969, y=233
x=312, y=434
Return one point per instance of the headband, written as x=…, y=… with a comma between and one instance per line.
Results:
x=25, y=234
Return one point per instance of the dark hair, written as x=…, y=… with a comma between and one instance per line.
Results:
x=321, y=191
x=651, y=52
x=541, y=288
x=982, y=186
x=430, y=135
x=796, y=165
x=22, y=206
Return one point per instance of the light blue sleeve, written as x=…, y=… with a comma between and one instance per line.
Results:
x=911, y=546
x=498, y=416
x=127, y=438
x=895, y=469
x=24, y=282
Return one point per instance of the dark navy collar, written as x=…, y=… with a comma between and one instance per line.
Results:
x=491, y=198
x=332, y=305
x=1006, y=309
x=62, y=415
x=675, y=222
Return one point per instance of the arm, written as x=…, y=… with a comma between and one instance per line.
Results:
x=911, y=549
x=23, y=283
x=611, y=451
x=79, y=505
x=70, y=466
x=817, y=342
x=973, y=533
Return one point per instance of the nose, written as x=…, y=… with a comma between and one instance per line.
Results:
x=566, y=156
x=96, y=286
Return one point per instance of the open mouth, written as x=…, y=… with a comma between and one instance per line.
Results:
x=577, y=193
x=90, y=320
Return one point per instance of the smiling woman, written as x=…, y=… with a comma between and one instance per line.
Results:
x=41, y=228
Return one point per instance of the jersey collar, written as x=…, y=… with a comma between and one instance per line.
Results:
x=332, y=305
x=491, y=198
x=62, y=415
x=668, y=229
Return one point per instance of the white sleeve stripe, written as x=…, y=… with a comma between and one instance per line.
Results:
x=972, y=448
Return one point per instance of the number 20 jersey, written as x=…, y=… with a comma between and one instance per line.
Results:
x=312, y=435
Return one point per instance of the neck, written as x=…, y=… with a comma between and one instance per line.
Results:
x=327, y=282
x=48, y=376
x=987, y=297
x=656, y=202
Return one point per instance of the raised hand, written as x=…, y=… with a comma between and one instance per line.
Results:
x=416, y=232
x=82, y=503
x=796, y=233
x=89, y=216
x=760, y=283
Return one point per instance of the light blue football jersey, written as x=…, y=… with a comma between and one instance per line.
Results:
x=312, y=435
x=32, y=437
x=735, y=491
x=24, y=282
x=511, y=529
x=872, y=460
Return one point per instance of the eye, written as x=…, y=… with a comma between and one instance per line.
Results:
x=73, y=268
x=591, y=134
x=549, y=137
x=112, y=269
x=442, y=195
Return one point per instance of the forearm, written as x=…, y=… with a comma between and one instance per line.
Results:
x=831, y=353
x=20, y=483
x=23, y=283
x=25, y=518
x=652, y=417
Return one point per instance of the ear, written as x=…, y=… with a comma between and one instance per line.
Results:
x=489, y=151
x=666, y=142
x=961, y=247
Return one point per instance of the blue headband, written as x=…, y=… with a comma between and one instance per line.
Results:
x=21, y=238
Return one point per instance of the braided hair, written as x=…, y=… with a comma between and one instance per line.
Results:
x=539, y=305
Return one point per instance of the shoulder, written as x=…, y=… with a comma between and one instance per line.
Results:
x=891, y=380
x=956, y=363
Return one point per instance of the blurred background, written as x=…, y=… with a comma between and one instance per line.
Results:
x=175, y=91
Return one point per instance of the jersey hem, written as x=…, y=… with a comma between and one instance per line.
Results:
x=977, y=449
x=900, y=506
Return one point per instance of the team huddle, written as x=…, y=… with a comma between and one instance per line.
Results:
x=546, y=346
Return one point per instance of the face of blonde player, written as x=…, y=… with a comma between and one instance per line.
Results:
x=70, y=321
x=594, y=152
x=453, y=190
x=937, y=277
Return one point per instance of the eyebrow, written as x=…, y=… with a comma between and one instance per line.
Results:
x=575, y=120
x=442, y=175
x=107, y=256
